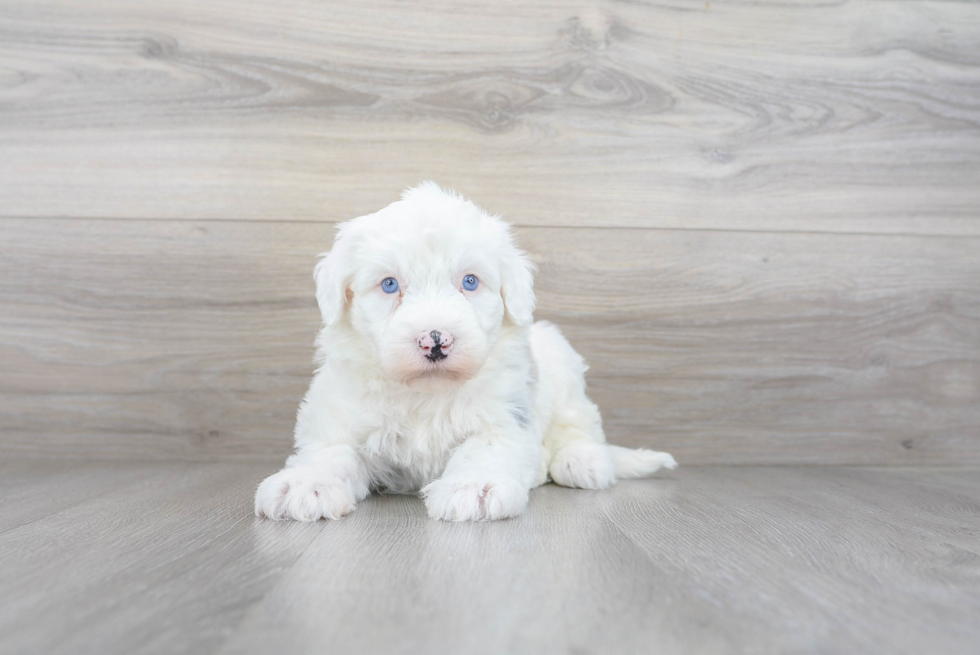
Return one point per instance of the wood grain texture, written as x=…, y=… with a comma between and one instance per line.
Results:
x=24, y=488
x=706, y=560
x=189, y=339
x=850, y=116
x=163, y=564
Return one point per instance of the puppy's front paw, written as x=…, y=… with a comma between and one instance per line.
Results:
x=462, y=500
x=304, y=494
x=583, y=464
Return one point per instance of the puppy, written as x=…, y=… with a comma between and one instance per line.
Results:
x=433, y=377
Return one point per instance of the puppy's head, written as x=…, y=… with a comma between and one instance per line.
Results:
x=426, y=284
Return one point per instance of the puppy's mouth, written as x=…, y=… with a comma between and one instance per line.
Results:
x=434, y=360
x=439, y=364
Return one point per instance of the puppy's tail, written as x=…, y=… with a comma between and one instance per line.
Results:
x=639, y=463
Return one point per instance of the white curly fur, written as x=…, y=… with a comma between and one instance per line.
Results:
x=504, y=408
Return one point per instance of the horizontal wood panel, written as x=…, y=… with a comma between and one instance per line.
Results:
x=855, y=117
x=193, y=339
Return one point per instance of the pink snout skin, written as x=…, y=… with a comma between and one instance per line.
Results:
x=435, y=342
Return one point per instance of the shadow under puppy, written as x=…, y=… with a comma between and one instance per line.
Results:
x=433, y=377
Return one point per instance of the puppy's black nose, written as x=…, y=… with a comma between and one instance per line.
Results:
x=435, y=344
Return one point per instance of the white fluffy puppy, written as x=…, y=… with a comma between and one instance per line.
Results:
x=432, y=377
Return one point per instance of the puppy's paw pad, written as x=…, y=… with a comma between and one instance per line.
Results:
x=474, y=501
x=304, y=494
x=585, y=465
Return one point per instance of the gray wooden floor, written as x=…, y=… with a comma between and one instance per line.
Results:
x=167, y=558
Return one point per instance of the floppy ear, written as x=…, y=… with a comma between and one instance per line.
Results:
x=517, y=287
x=333, y=275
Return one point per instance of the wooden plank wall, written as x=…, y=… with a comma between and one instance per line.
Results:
x=759, y=222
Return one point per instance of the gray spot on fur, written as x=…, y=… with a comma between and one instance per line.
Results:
x=520, y=413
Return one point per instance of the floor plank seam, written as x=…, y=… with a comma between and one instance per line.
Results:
x=251, y=607
x=516, y=224
x=68, y=508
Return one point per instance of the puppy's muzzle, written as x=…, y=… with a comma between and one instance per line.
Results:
x=435, y=344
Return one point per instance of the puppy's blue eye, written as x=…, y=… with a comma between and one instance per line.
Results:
x=389, y=284
x=470, y=282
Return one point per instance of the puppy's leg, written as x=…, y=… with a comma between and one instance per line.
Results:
x=486, y=479
x=578, y=460
x=579, y=454
x=325, y=484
